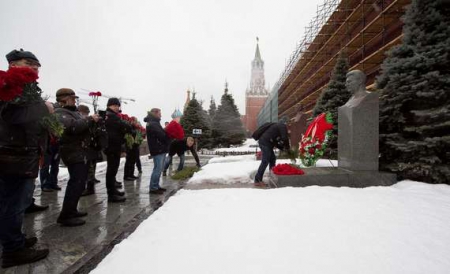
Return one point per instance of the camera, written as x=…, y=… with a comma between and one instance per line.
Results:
x=102, y=114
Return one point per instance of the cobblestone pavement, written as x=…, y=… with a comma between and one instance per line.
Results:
x=80, y=249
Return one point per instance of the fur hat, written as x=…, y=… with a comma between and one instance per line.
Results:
x=113, y=101
x=63, y=92
x=16, y=55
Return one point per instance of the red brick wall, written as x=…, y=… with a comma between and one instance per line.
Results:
x=252, y=107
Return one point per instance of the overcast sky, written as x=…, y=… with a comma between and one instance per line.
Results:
x=153, y=51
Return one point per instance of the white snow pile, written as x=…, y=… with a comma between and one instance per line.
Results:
x=250, y=145
x=399, y=229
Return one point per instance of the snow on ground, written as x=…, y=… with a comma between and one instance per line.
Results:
x=249, y=145
x=236, y=169
x=399, y=229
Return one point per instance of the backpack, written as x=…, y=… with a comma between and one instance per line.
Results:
x=259, y=132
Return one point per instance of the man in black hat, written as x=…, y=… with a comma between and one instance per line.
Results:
x=21, y=140
x=21, y=58
x=116, y=129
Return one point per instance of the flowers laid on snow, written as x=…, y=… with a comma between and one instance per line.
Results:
x=315, y=140
x=287, y=169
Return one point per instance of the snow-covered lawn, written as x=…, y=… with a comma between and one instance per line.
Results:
x=404, y=228
x=249, y=145
x=236, y=169
x=399, y=229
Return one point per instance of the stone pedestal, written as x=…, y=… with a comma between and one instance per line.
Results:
x=332, y=176
x=358, y=134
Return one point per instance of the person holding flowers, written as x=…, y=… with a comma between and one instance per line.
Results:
x=116, y=129
x=22, y=142
x=74, y=150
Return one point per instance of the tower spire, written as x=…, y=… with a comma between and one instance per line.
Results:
x=257, y=53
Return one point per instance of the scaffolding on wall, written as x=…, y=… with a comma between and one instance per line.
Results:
x=361, y=29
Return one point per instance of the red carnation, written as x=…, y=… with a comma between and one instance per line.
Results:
x=13, y=81
x=19, y=76
x=287, y=169
x=174, y=130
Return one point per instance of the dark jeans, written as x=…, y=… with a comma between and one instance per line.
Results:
x=15, y=196
x=48, y=174
x=113, y=163
x=130, y=161
x=138, y=162
x=75, y=187
x=268, y=158
x=92, y=166
x=169, y=162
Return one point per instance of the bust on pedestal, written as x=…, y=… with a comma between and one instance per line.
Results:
x=358, y=126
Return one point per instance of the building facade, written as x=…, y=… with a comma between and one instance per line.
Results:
x=363, y=30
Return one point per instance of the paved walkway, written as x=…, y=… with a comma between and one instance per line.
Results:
x=80, y=249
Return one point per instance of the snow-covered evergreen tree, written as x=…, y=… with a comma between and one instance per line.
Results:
x=227, y=128
x=212, y=109
x=333, y=96
x=194, y=117
x=415, y=96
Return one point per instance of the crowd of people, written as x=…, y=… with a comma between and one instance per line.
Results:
x=29, y=149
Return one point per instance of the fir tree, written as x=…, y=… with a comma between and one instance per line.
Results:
x=212, y=109
x=227, y=128
x=194, y=117
x=415, y=96
x=333, y=96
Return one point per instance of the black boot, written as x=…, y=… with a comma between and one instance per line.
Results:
x=118, y=193
x=70, y=221
x=90, y=189
x=116, y=199
x=29, y=242
x=35, y=208
x=23, y=256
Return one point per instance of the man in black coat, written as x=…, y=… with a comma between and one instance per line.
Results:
x=22, y=140
x=275, y=136
x=179, y=147
x=158, y=144
x=74, y=149
x=116, y=129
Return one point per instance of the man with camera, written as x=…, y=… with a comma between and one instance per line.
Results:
x=98, y=141
x=74, y=153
